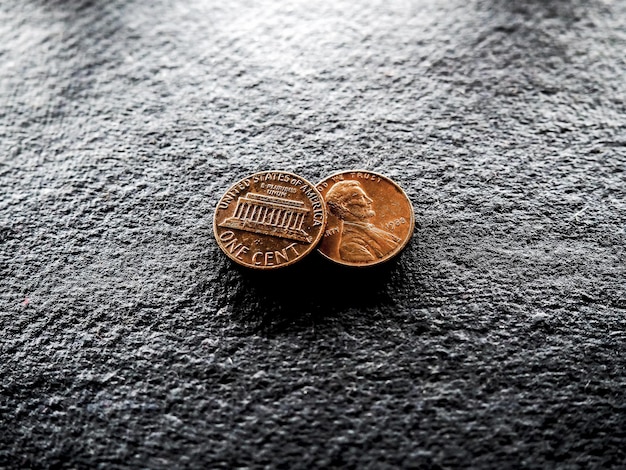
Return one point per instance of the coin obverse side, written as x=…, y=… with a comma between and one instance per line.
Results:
x=269, y=220
x=370, y=218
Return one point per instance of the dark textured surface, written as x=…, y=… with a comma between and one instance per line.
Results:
x=496, y=340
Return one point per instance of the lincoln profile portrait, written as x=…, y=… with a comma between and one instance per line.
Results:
x=360, y=239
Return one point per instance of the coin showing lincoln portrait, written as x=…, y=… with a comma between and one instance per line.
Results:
x=370, y=218
x=269, y=220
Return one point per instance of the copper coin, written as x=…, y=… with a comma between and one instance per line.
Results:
x=370, y=218
x=269, y=220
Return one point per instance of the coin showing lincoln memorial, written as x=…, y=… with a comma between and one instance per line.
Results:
x=269, y=215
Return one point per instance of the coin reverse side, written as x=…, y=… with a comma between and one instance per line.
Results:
x=269, y=220
x=370, y=218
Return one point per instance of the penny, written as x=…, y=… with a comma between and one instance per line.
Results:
x=370, y=218
x=269, y=220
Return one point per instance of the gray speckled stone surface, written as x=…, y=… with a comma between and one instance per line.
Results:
x=496, y=340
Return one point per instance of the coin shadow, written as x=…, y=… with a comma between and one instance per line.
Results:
x=312, y=292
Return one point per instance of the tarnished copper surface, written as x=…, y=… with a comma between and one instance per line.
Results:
x=269, y=220
x=370, y=218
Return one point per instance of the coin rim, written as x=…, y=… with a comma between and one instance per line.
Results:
x=312, y=245
x=394, y=253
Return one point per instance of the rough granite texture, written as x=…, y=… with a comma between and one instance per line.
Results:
x=496, y=340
